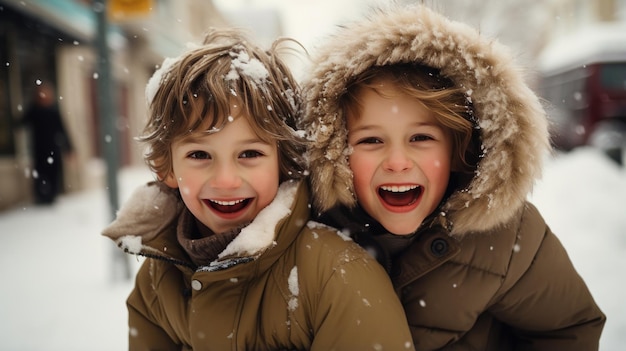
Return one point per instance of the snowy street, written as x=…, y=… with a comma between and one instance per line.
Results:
x=59, y=292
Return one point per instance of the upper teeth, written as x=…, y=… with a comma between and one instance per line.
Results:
x=227, y=203
x=399, y=189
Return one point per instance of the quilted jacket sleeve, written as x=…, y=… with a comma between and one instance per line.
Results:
x=356, y=307
x=544, y=300
x=144, y=332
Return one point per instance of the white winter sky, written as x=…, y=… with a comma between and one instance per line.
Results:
x=309, y=21
x=305, y=20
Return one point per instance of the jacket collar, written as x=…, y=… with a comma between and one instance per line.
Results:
x=427, y=249
x=146, y=225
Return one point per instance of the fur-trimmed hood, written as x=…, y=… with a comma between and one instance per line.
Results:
x=513, y=125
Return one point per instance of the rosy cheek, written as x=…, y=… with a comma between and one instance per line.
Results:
x=437, y=163
x=184, y=190
x=182, y=186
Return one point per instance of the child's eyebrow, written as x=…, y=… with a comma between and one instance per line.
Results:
x=197, y=138
x=429, y=124
x=364, y=127
x=255, y=141
x=368, y=127
x=191, y=139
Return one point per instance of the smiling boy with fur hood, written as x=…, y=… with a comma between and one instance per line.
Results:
x=483, y=271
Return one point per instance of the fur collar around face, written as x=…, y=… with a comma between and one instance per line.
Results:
x=513, y=125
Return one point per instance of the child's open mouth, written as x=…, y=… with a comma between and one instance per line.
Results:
x=228, y=207
x=399, y=195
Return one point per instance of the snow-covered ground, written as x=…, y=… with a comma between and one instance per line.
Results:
x=59, y=291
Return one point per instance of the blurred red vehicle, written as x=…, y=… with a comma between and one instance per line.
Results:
x=584, y=80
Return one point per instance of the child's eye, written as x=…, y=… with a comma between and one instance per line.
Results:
x=369, y=140
x=250, y=154
x=421, y=137
x=199, y=155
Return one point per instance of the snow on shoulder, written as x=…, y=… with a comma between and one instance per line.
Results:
x=131, y=244
x=345, y=235
x=294, y=289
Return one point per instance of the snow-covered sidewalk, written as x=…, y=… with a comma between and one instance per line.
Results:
x=59, y=291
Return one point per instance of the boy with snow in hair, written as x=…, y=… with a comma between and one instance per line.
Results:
x=233, y=262
x=426, y=142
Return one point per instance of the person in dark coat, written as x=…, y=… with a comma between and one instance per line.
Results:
x=50, y=141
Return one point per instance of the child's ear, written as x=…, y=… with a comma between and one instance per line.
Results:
x=169, y=180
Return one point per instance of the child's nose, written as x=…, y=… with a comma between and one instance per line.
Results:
x=225, y=176
x=397, y=160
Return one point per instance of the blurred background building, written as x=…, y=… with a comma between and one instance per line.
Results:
x=54, y=41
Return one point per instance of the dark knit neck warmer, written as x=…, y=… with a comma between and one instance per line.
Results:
x=201, y=250
x=367, y=232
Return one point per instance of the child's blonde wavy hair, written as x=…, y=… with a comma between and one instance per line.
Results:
x=196, y=90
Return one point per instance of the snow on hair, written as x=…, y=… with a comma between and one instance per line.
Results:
x=242, y=64
x=161, y=73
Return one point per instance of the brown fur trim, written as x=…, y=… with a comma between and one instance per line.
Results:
x=513, y=124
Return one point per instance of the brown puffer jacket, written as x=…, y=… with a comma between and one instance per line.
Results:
x=305, y=288
x=491, y=275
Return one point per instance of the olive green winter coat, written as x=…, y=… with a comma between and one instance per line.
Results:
x=484, y=272
x=298, y=286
